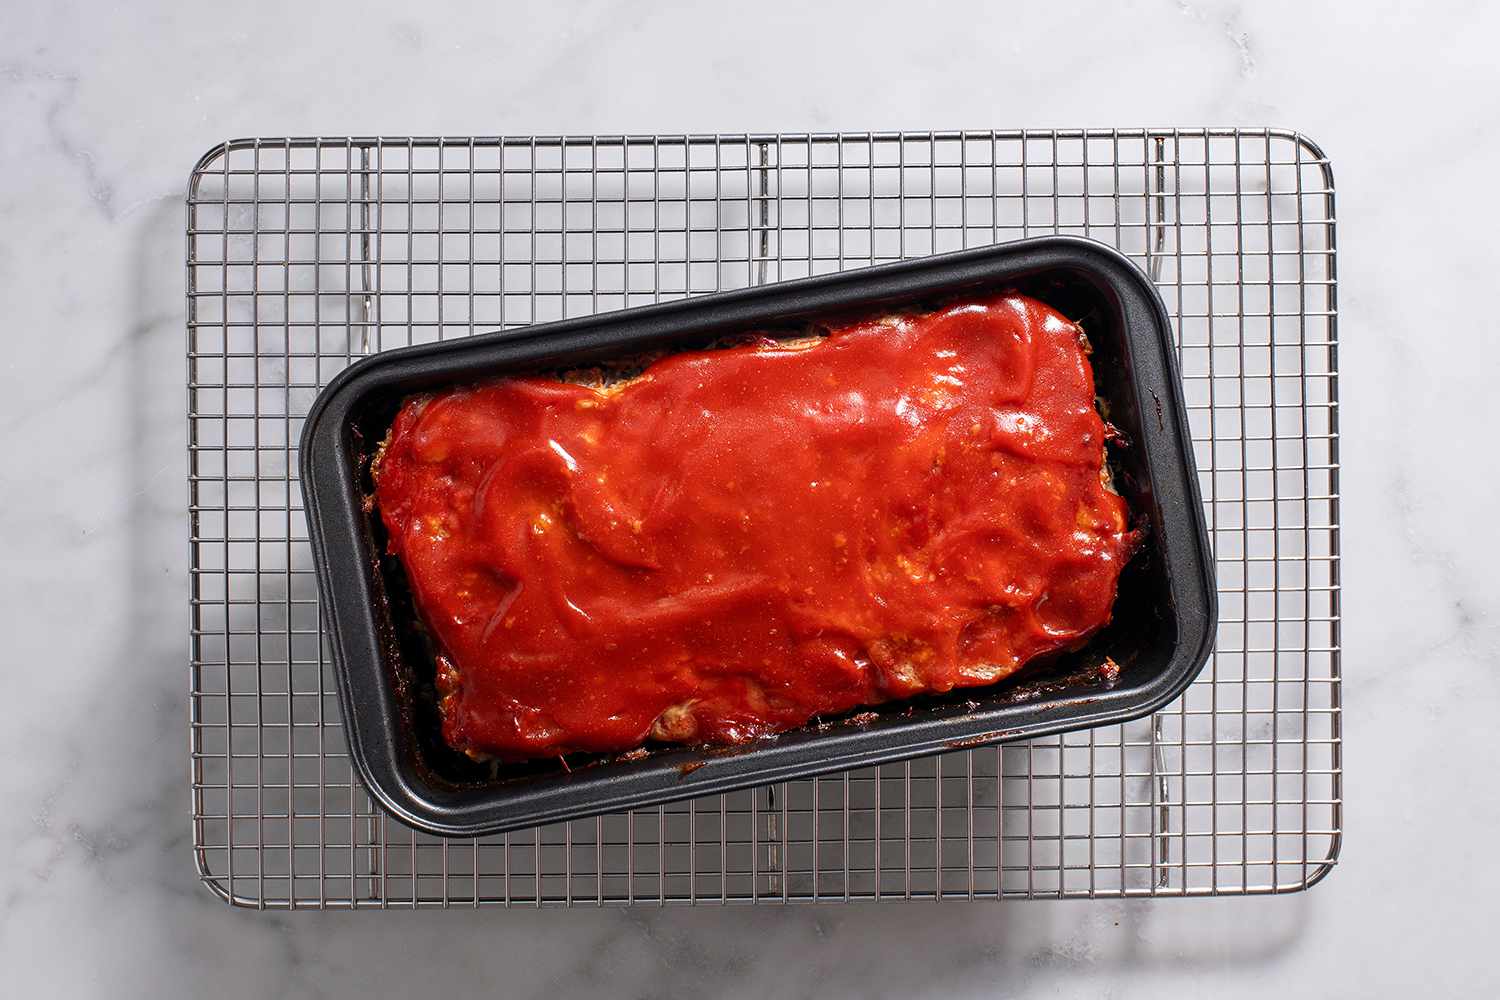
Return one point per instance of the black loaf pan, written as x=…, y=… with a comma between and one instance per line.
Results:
x=1159, y=638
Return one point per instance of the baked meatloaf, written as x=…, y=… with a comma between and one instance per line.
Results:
x=737, y=540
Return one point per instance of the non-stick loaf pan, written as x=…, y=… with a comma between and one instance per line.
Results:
x=1157, y=641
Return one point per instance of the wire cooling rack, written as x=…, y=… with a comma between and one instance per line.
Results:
x=305, y=254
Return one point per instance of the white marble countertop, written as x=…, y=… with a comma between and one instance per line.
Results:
x=106, y=107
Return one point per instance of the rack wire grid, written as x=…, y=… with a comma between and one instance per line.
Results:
x=305, y=254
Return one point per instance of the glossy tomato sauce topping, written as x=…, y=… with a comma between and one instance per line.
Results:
x=741, y=539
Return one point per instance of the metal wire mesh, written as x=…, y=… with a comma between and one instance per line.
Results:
x=305, y=254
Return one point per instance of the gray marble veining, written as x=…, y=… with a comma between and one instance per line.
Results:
x=105, y=110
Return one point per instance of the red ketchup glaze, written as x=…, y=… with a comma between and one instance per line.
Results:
x=741, y=539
